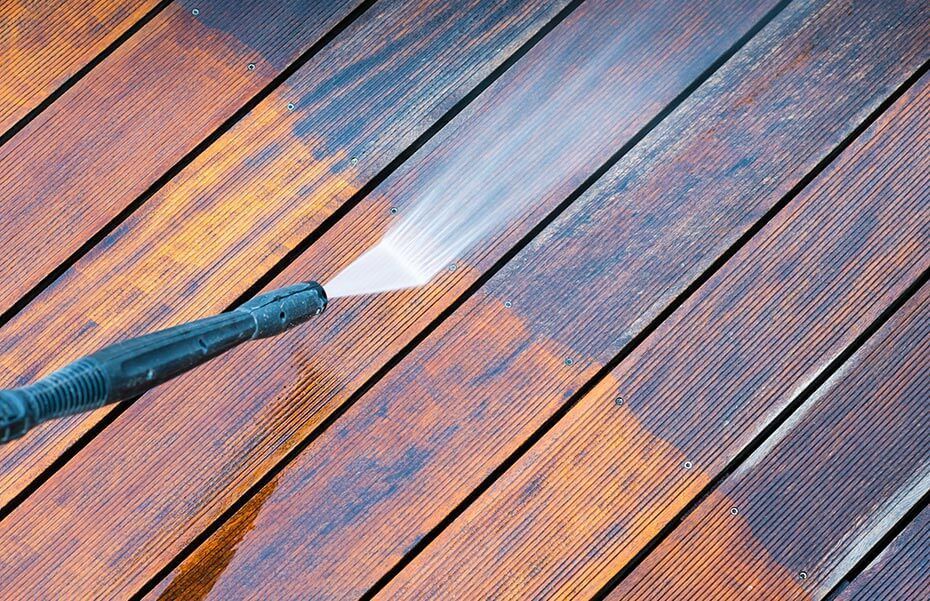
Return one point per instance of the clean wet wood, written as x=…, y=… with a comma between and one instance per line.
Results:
x=813, y=501
x=392, y=447
x=417, y=444
x=609, y=476
x=196, y=478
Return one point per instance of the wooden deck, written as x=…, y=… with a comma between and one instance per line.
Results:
x=696, y=367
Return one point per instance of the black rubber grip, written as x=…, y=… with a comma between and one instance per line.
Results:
x=127, y=369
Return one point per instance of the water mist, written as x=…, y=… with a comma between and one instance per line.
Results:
x=521, y=142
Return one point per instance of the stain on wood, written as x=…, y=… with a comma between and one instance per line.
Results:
x=43, y=44
x=404, y=455
x=901, y=571
x=780, y=310
x=228, y=218
x=827, y=485
x=280, y=406
x=111, y=136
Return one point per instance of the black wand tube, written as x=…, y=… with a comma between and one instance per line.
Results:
x=127, y=369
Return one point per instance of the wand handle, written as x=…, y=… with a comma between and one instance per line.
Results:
x=127, y=369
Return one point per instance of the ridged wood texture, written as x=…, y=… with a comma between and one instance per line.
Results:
x=416, y=444
x=822, y=490
x=105, y=141
x=590, y=495
x=43, y=44
x=220, y=429
x=204, y=238
x=901, y=571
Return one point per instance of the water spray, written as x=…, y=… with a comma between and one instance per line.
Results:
x=129, y=368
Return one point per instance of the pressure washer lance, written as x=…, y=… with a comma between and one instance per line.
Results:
x=127, y=369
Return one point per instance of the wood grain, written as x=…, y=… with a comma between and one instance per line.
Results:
x=826, y=486
x=591, y=494
x=175, y=478
x=901, y=571
x=416, y=444
x=224, y=221
x=105, y=141
x=43, y=44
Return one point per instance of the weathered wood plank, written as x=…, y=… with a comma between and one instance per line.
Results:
x=418, y=442
x=224, y=221
x=900, y=571
x=174, y=479
x=592, y=493
x=826, y=486
x=104, y=142
x=43, y=44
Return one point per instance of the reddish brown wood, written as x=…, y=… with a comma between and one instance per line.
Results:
x=419, y=442
x=590, y=495
x=900, y=571
x=823, y=489
x=211, y=232
x=43, y=44
x=394, y=465
x=95, y=150
x=186, y=476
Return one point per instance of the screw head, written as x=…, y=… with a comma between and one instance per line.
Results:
x=687, y=465
x=802, y=575
x=393, y=210
x=569, y=361
x=195, y=12
x=619, y=401
x=290, y=106
x=452, y=267
x=354, y=160
x=508, y=304
x=734, y=511
x=251, y=66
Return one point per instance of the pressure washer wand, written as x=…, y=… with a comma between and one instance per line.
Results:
x=127, y=369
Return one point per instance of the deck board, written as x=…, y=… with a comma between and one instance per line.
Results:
x=223, y=222
x=901, y=571
x=44, y=44
x=826, y=488
x=716, y=296
x=100, y=146
x=365, y=491
x=197, y=478
x=607, y=477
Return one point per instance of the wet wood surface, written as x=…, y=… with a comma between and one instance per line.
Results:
x=684, y=416
x=99, y=147
x=357, y=499
x=901, y=570
x=807, y=501
x=44, y=44
x=227, y=219
x=533, y=421
x=277, y=410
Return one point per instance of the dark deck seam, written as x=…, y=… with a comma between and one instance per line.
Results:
x=809, y=390
x=80, y=73
x=24, y=301
x=880, y=545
